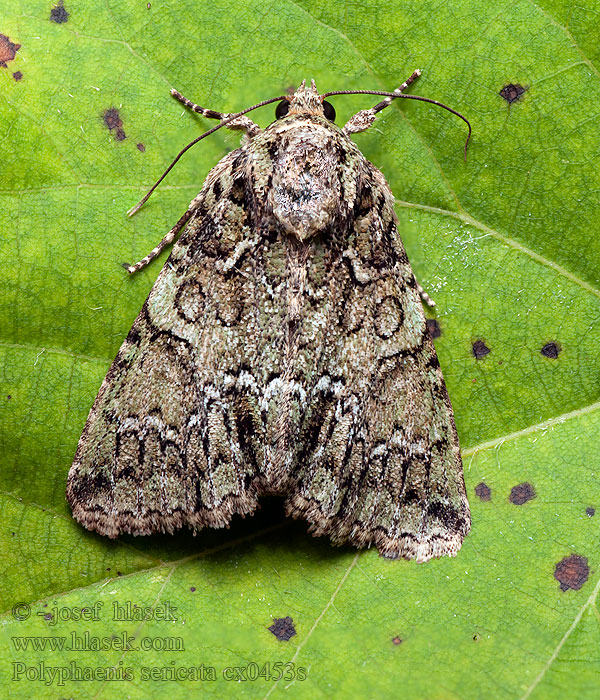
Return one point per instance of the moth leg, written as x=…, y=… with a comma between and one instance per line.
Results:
x=242, y=123
x=167, y=240
x=362, y=120
x=362, y=276
x=425, y=298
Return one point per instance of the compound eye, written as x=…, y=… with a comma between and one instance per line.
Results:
x=329, y=111
x=282, y=109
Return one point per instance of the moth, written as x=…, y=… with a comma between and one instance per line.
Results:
x=282, y=350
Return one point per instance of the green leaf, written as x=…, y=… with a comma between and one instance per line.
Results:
x=507, y=243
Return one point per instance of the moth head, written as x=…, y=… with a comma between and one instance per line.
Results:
x=306, y=100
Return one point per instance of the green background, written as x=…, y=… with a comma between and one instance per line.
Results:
x=508, y=245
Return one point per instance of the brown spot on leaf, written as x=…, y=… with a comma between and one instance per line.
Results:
x=522, y=493
x=572, y=572
x=140, y=146
x=8, y=50
x=590, y=512
x=283, y=628
x=551, y=350
x=17, y=75
x=397, y=640
x=58, y=13
x=476, y=637
x=434, y=327
x=512, y=92
x=113, y=122
x=480, y=349
x=483, y=491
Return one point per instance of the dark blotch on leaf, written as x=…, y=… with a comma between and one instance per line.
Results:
x=140, y=146
x=48, y=616
x=521, y=493
x=483, y=491
x=397, y=640
x=480, y=349
x=112, y=119
x=434, y=328
x=17, y=75
x=192, y=588
x=512, y=92
x=590, y=511
x=9, y=397
x=551, y=350
x=8, y=50
x=283, y=628
x=58, y=13
x=572, y=572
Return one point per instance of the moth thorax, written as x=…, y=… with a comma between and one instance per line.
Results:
x=305, y=188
